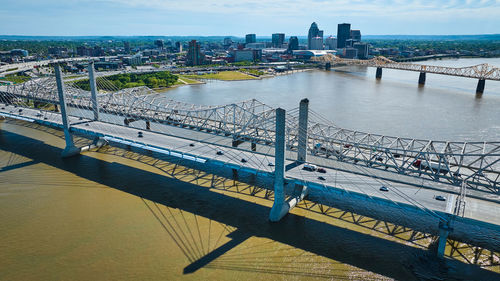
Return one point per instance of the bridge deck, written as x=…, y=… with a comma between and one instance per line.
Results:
x=476, y=208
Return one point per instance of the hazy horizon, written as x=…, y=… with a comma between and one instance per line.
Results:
x=205, y=18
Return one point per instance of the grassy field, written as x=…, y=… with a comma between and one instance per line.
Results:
x=188, y=80
x=223, y=75
x=17, y=78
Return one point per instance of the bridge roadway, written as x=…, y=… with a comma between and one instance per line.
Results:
x=257, y=162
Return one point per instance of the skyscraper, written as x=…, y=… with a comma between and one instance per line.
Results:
x=313, y=32
x=363, y=50
x=356, y=35
x=126, y=45
x=278, y=39
x=316, y=43
x=293, y=43
x=331, y=43
x=343, y=33
x=159, y=43
x=194, y=55
x=250, y=38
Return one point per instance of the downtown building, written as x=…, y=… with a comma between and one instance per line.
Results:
x=343, y=34
x=194, y=55
x=277, y=40
x=313, y=33
x=293, y=43
x=316, y=43
x=250, y=38
x=331, y=43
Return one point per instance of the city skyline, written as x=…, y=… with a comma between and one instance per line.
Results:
x=205, y=18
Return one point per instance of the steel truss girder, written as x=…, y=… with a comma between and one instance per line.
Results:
x=476, y=163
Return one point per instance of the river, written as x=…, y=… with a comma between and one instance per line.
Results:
x=115, y=215
x=446, y=108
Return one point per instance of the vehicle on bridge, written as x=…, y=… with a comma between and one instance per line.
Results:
x=431, y=166
x=310, y=167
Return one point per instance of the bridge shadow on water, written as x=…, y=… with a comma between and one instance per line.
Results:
x=187, y=202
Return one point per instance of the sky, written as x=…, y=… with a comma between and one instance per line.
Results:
x=239, y=17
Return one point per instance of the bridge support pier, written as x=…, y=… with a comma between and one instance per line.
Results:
x=93, y=90
x=254, y=146
x=378, y=74
x=70, y=149
x=303, y=118
x=280, y=207
x=444, y=231
x=480, y=86
x=421, y=78
x=148, y=125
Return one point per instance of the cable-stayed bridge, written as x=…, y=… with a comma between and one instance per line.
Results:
x=251, y=137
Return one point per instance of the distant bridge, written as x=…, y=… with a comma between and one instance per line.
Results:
x=482, y=71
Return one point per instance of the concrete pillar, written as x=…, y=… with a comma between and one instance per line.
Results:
x=70, y=149
x=148, y=125
x=444, y=230
x=303, y=117
x=280, y=207
x=254, y=146
x=378, y=74
x=480, y=86
x=421, y=78
x=93, y=91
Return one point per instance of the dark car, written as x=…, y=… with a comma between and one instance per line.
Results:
x=321, y=170
x=270, y=164
x=219, y=153
x=321, y=178
x=243, y=160
x=383, y=188
x=440, y=198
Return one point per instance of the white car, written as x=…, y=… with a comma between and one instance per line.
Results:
x=310, y=167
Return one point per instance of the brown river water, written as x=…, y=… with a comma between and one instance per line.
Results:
x=113, y=214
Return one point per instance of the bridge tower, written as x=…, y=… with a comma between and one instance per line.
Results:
x=93, y=90
x=280, y=207
x=70, y=149
x=303, y=117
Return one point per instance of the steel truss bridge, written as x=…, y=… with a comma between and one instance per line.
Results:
x=475, y=163
x=482, y=71
x=279, y=144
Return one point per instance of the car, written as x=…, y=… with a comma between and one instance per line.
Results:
x=309, y=167
x=321, y=170
x=383, y=188
x=191, y=144
x=219, y=153
x=321, y=178
x=270, y=164
x=243, y=160
x=440, y=198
